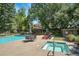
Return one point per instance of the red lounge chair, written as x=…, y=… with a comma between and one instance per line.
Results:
x=45, y=37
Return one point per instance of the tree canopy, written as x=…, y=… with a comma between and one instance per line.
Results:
x=56, y=15
x=51, y=16
x=12, y=20
x=7, y=15
x=21, y=19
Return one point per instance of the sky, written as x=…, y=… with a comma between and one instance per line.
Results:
x=20, y=5
x=36, y=22
x=27, y=6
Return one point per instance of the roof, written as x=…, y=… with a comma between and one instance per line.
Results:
x=69, y=29
x=37, y=26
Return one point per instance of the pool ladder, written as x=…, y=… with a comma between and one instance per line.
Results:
x=53, y=52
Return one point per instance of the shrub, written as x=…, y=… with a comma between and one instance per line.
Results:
x=71, y=37
x=77, y=39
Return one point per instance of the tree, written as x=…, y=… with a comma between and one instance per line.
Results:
x=45, y=13
x=21, y=20
x=7, y=15
x=57, y=15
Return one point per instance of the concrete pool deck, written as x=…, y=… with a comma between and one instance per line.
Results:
x=20, y=48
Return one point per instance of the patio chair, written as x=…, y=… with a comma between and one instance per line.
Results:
x=45, y=37
x=30, y=38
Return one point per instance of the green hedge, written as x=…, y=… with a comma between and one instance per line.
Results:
x=72, y=37
x=77, y=38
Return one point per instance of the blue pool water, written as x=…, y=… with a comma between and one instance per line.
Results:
x=8, y=39
x=59, y=47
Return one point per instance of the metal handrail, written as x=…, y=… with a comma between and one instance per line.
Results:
x=53, y=49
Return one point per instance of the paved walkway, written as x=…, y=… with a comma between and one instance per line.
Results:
x=19, y=48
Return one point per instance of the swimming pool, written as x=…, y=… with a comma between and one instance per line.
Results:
x=8, y=39
x=58, y=47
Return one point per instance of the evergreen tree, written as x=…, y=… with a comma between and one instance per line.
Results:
x=7, y=15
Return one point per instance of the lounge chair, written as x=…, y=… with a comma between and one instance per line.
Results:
x=47, y=36
x=30, y=38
